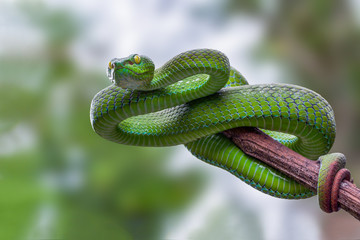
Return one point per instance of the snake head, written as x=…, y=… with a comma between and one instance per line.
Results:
x=133, y=72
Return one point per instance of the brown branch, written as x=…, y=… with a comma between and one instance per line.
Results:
x=305, y=171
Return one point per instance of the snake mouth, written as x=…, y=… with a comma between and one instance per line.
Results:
x=111, y=73
x=123, y=82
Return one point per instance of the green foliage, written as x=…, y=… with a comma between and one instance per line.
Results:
x=64, y=181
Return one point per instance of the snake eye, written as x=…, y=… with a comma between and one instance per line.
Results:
x=111, y=65
x=137, y=59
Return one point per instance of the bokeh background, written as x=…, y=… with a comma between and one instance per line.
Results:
x=59, y=180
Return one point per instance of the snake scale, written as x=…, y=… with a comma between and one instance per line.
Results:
x=195, y=96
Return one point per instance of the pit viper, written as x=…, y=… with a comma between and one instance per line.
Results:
x=195, y=96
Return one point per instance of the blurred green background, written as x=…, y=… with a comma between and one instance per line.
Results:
x=59, y=180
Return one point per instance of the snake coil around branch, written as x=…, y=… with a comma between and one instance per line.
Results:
x=197, y=95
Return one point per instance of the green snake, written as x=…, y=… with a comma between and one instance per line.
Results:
x=195, y=96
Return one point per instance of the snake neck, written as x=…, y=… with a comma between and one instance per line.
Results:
x=204, y=61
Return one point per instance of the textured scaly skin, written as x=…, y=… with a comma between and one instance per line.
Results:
x=197, y=95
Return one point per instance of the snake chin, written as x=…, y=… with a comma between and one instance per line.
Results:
x=127, y=84
x=110, y=74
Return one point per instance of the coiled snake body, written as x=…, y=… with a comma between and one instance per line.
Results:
x=195, y=96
